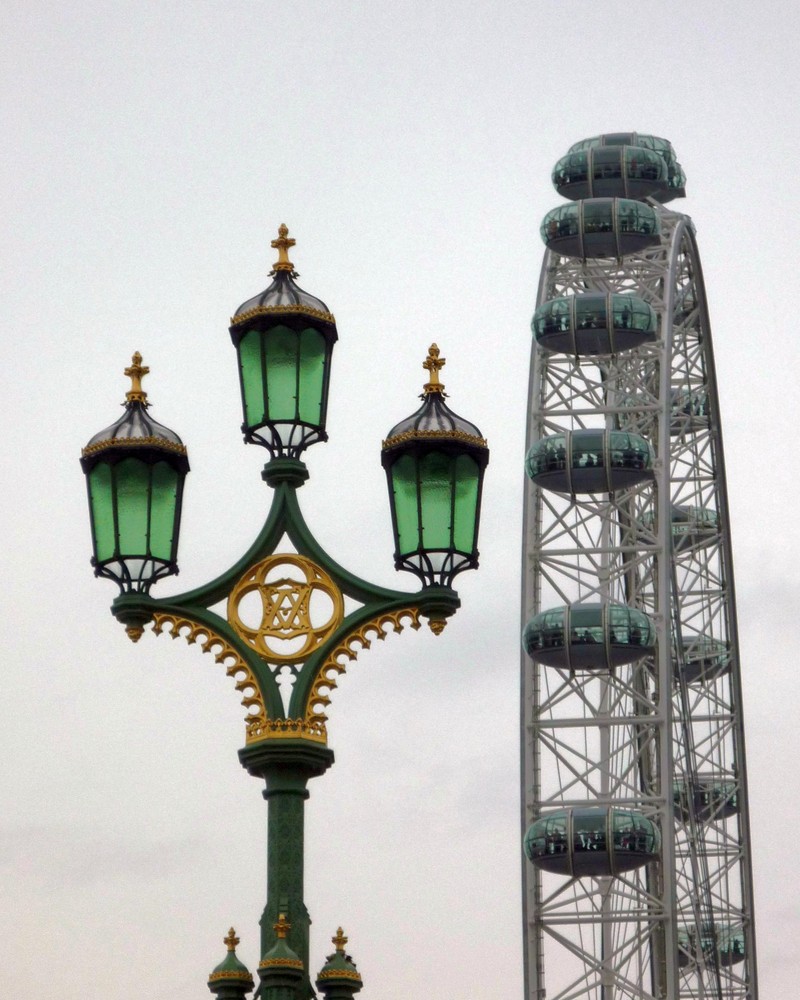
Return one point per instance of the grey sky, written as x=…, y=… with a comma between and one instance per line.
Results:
x=151, y=150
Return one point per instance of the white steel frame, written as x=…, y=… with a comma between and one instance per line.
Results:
x=628, y=738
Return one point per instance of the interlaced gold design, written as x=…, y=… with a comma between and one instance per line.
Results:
x=211, y=642
x=340, y=974
x=288, y=729
x=286, y=604
x=231, y=974
x=345, y=650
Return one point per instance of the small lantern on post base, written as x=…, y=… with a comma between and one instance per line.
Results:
x=284, y=339
x=135, y=471
x=435, y=461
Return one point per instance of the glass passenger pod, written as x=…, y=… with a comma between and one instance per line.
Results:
x=594, y=323
x=714, y=798
x=592, y=841
x=689, y=410
x=676, y=178
x=579, y=637
x=601, y=227
x=693, y=528
x=704, y=659
x=590, y=461
x=611, y=172
x=728, y=942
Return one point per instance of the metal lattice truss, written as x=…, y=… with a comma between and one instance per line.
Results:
x=663, y=735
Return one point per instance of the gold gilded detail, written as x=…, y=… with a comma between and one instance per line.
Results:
x=288, y=729
x=153, y=442
x=280, y=310
x=235, y=666
x=429, y=435
x=134, y=632
x=436, y=625
x=245, y=977
x=340, y=974
x=433, y=364
x=301, y=607
x=231, y=940
x=283, y=963
x=136, y=372
x=283, y=244
x=345, y=650
x=282, y=927
x=339, y=939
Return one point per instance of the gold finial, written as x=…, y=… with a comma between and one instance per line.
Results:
x=436, y=625
x=231, y=940
x=136, y=372
x=282, y=244
x=433, y=363
x=134, y=632
x=282, y=926
x=339, y=940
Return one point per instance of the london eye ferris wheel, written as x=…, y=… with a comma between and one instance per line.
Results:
x=637, y=876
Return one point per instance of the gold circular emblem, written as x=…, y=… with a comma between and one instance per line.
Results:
x=284, y=607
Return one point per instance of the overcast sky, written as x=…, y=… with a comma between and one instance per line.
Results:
x=150, y=152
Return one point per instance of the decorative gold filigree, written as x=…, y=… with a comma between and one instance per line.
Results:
x=231, y=974
x=134, y=632
x=339, y=939
x=231, y=940
x=427, y=435
x=332, y=667
x=433, y=365
x=236, y=666
x=283, y=963
x=280, y=310
x=286, y=608
x=340, y=974
x=283, y=244
x=153, y=442
x=288, y=729
x=136, y=372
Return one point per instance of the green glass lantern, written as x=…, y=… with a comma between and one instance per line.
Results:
x=435, y=461
x=135, y=470
x=284, y=339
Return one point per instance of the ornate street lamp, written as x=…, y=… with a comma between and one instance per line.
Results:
x=135, y=471
x=295, y=608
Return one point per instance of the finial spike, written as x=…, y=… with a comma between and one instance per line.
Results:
x=282, y=926
x=136, y=372
x=231, y=940
x=339, y=940
x=282, y=245
x=433, y=364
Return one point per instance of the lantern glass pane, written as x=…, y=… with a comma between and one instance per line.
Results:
x=164, y=498
x=436, y=493
x=102, y=502
x=252, y=378
x=280, y=350
x=404, y=487
x=312, y=372
x=466, y=506
x=133, y=498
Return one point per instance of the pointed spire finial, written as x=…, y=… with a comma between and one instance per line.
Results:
x=231, y=940
x=136, y=372
x=433, y=363
x=282, y=245
x=282, y=926
x=339, y=940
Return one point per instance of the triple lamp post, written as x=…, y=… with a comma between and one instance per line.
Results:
x=285, y=597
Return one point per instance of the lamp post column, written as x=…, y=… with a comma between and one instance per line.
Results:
x=286, y=767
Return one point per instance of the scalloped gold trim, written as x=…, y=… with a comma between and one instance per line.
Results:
x=430, y=435
x=247, y=684
x=283, y=963
x=340, y=974
x=288, y=729
x=153, y=442
x=245, y=977
x=331, y=668
x=282, y=310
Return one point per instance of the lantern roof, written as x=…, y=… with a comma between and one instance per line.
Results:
x=230, y=968
x=136, y=428
x=283, y=296
x=281, y=957
x=434, y=420
x=339, y=966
